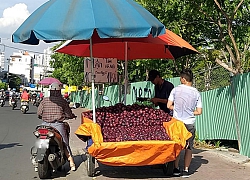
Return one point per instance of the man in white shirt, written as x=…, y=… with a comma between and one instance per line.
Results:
x=185, y=101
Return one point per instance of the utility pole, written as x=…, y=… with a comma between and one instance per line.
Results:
x=32, y=69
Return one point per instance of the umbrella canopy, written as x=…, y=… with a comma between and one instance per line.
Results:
x=77, y=19
x=168, y=45
x=58, y=20
x=49, y=81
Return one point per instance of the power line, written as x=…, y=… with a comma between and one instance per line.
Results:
x=11, y=47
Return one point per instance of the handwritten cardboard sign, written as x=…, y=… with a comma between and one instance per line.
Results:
x=105, y=70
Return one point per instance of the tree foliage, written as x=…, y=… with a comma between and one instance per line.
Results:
x=218, y=29
x=14, y=81
x=3, y=85
x=68, y=69
x=219, y=24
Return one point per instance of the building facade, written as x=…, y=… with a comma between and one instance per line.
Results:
x=42, y=67
x=31, y=67
x=1, y=61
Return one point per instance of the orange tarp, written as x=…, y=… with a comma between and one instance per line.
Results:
x=136, y=153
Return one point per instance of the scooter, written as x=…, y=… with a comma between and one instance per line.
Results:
x=2, y=101
x=24, y=106
x=13, y=103
x=37, y=101
x=48, y=155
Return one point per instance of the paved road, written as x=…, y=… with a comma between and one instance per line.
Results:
x=206, y=165
x=16, y=138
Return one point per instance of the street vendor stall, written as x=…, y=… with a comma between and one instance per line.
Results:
x=132, y=136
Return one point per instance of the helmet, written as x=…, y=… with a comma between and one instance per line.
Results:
x=55, y=86
x=14, y=89
x=2, y=89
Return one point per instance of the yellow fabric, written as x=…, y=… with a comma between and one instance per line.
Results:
x=177, y=131
x=136, y=153
x=73, y=88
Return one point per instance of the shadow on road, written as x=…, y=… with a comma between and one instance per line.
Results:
x=79, y=159
x=66, y=169
x=145, y=172
x=197, y=160
x=131, y=172
x=30, y=112
x=16, y=109
x=3, y=146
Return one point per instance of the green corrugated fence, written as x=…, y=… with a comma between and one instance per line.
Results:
x=221, y=117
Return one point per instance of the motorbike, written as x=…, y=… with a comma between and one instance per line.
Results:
x=24, y=106
x=13, y=103
x=2, y=101
x=67, y=99
x=48, y=155
x=37, y=101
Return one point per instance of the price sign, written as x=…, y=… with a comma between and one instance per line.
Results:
x=105, y=70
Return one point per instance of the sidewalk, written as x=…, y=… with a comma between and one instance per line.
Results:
x=77, y=147
x=76, y=144
x=206, y=163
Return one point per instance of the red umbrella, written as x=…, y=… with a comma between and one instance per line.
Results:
x=49, y=80
x=169, y=46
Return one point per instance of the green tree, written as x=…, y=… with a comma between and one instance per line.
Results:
x=68, y=69
x=220, y=24
x=3, y=85
x=138, y=69
x=14, y=81
x=213, y=27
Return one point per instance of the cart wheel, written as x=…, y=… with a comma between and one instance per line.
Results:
x=168, y=168
x=90, y=165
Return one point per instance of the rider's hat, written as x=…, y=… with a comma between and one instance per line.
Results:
x=55, y=87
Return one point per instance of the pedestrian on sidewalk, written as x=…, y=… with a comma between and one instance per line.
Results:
x=185, y=101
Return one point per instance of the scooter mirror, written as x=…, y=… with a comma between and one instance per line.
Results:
x=106, y=98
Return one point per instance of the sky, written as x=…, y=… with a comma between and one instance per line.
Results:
x=12, y=14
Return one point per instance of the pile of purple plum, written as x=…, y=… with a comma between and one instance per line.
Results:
x=131, y=123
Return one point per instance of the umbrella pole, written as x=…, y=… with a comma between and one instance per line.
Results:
x=126, y=73
x=92, y=80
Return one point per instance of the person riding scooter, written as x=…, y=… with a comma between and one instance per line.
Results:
x=2, y=93
x=13, y=98
x=2, y=97
x=10, y=96
x=66, y=97
x=25, y=97
x=41, y=95
x=53, y=111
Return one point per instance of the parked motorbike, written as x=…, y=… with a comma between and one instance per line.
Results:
x=48, y=155
x=24, y=106
x=13, y=103
x=2, y=101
